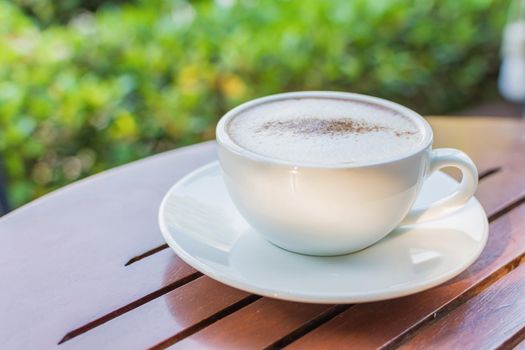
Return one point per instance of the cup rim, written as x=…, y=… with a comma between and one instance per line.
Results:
x=224, y=139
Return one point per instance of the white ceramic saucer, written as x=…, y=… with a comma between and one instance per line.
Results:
x=199, y=221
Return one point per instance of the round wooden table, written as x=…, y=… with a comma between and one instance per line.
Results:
x=86, y=267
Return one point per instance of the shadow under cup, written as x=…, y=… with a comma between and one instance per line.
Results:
x=322, y=210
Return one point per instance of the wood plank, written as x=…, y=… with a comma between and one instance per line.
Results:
x=396, y=318
x=487, y=140
x=498, y=191
x=480, y=138
x=161, y=318
x=520, y=346
x=64, y=255
x=253, y=327
x=176, y=275
x=492, y=319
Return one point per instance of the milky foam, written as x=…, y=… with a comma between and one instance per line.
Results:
x=324, y=131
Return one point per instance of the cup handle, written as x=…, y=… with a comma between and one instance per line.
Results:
x=442, y=158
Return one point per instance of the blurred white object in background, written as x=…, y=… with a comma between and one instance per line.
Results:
x=512, y=73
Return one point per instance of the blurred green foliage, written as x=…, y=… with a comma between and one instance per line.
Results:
x=47, y=12
x=133, y=79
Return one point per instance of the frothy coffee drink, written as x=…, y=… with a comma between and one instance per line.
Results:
x=325, y=131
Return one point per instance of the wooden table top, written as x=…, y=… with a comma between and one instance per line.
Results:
x=86, y=268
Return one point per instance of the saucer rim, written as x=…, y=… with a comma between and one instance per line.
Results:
x=318, y=298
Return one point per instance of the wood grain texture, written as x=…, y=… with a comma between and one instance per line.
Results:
x=480, y=138
x=253, y=327
x=498, y=191
x=161, y=318
x=520, y=346
x=492, y=319
x=486, y=140
x=64, y=257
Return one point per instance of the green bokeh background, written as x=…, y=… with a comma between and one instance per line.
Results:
x=88, y=85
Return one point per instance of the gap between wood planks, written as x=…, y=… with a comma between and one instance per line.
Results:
x=128, y=307
x=309, y=326
x=287, y=339
x=206, y=322
x=515, y=342
x=146, y=254
x=475, y=290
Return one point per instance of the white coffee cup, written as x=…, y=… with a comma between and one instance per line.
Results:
x=333, y=209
